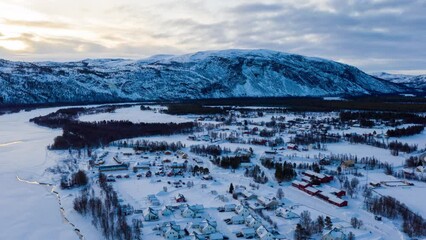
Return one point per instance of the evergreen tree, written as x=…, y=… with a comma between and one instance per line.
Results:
x=231, y=188
x=328, y=223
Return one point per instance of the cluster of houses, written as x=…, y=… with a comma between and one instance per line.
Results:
x=153, y=200
x=255, y=202
x=202, y=230
x=312, y=178
x=186, y=211
x=253, y=226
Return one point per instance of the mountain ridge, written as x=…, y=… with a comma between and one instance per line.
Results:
x=206, y=74
x=417, y=82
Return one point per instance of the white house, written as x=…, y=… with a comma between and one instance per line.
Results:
x=166, y=210
x=150, y=214
x=237, y=219
x=335, y=234
x=264, y=234
x=286, y=214
x=229, y=207
x=216, y=236
x=171, y=234
x=248, y=232
x=242, y=211
x=172, y=231
x=252, y=222
x=192, y=211
x=187, y=212
x=208, y=227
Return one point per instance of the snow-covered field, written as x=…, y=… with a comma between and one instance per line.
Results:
x=28, y=211
x=134, y=114
x=31, y=211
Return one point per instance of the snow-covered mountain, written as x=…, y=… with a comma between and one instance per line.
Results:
x=417, y=82
x=209, y=74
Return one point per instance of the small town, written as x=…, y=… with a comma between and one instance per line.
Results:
x=251, y=173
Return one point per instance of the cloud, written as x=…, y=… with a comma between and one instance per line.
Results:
x=37, y=24
x=257, y=7
x=373, y=35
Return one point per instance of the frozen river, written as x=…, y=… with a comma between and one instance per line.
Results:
x=28, y=211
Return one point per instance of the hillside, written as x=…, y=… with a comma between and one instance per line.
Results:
x=417, y=82
x=210, y=74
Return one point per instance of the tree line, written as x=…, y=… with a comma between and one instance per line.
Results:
x=95, y=134
x=391, y=117
x=408, y=131
x=107, y=214
x=151, y=146
x=413, y=224
x=233, y=162
x=213, y=150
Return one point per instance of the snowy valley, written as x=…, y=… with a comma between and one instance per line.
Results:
x=240, y=173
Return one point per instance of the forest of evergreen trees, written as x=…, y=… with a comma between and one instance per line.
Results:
x=233, y=162
x=257, y=174
x=213, y=150
x=151, y=146
x=193, y=108
x=384, y=116
x=78, y=134
x=95, y=134
x=408, y=131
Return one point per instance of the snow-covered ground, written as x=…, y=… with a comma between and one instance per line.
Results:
x=28, y=211
x=31, y=211
x=134, y=114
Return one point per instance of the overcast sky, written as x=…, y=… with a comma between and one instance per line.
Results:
x=374, y=35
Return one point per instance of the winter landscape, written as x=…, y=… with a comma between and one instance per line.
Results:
x=201, y=120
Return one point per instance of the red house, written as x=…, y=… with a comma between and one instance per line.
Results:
x=300, y=185
x=311, y=191
x=180, y=198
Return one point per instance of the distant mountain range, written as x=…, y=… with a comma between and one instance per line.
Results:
x=416, y=82
x=209, y=74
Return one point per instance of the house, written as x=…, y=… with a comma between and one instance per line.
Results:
x=172, y=231
x=208, y=227
x=292, y=146
x=180, y=198
x=306, y=179
x=335, y=234
x=375, y=184
x=229, y=207
x=286, y=214
x=338, y=202
x=150, y=214
x=338, y=192
x=268, y=203
x=192, y=211
x=300, y=185
x=154, y=200
x=242, y=210
x=323, y=178
x=113, y=167
x=207, y=177
x=166, y=210
x=248, y=232
x=199, y=236
x=177, y=166
x=216, y=236
x=264, y=234
x=252, y=222
x=311, y=191
x=237, y=219
x=141, y=165
x=248, y=195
